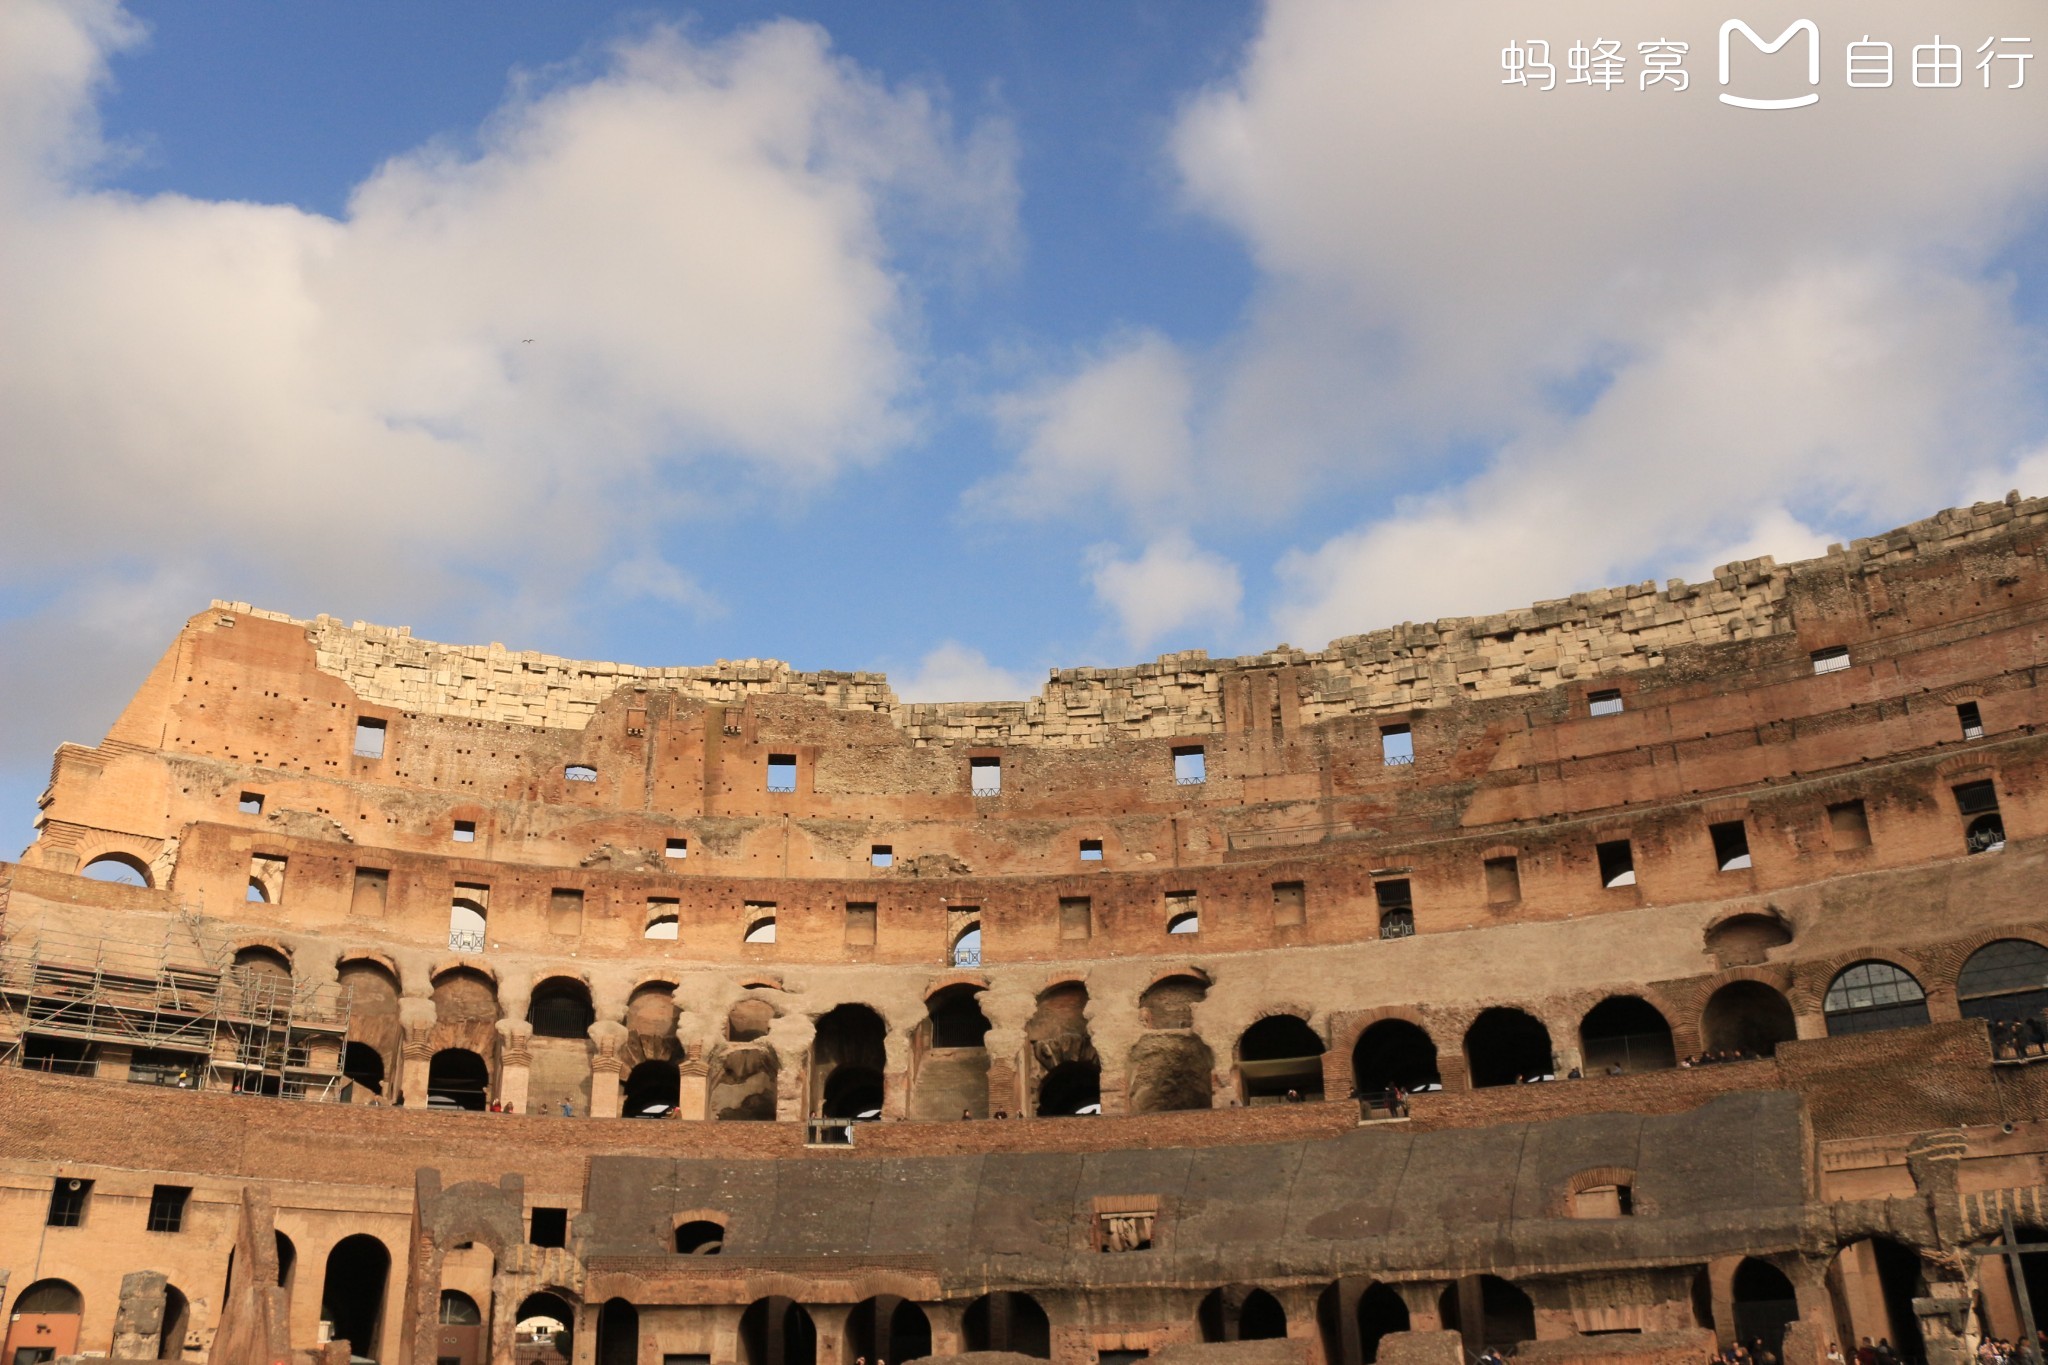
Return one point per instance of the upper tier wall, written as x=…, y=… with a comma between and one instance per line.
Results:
x=1605, y=632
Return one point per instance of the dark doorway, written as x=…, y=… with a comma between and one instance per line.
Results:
x=1239, y=1312
x=888, y=1328
x=1764, y=1304
x=457, y=1079
x=1625, y=1031
x=1505, y=1046
x=1393, y=1052
x=1069, y=1089
x=352, y=1294
x=777, y=1331
x=1747, y=1016
x=1008, y=1322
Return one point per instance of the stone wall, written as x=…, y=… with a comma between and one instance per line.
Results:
x=1602, y=633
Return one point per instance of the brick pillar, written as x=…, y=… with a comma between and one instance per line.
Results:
x=606, y=1039
x=896, y=1077
x=515, y=1063
x=412, y=1082
x=693, y=1084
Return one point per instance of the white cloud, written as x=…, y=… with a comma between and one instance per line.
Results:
x=499, y=364
x=954, y=672
x=1118, y=426
x=1173, y=586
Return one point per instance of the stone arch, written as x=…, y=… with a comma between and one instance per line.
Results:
x=1353, y=1317
x=1747, y=1015
x=743, y=1085
x=48, y=1296
x=776, y=1331
x=354, y=1289
x=1169, y=1002
x=652, y=1016
x=699, y=1232
x=1747, y=936
x=466, y=1011
x=1279, y=1058
x=1240, y=1312
x=1008, y=1321
x=849, y=1062
x=652, y=1089
x=1871, y=1284
x=978, y=980
x=1171, y=1071
x=373, y=990
x=949, y=1055
x=1872, y=996
x=560, y=1006
x=457, y=1078
x=117, y=865
x=1504, y=1314
x=1393, y=1051
x=890, y=1328
x=1628, y=1032
x=1061, y=1047
x=1765, y=1302
x=748, y=1020
x=1505, y=1045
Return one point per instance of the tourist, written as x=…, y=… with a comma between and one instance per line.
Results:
x=1866, y=1354
x=1835, y=1356
x=1885, y=1354
x=568, y=1110
x=966, y=1113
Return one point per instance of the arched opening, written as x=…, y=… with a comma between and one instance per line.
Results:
x=966, y=947
x=372, y=1021
x=352, y=1293
x=700, y=1237
x=544, y=1329
x=956, y=1017
x=748, y=1021
x=1185, y=922
x=256, y=895
x=1747, y=1017
x=618, y=1333
x=1239, y=1312
x=1741, y=940
x=43, y=1323
x=1488, y=1311
x=362, y=1064
x=1985, y=834
x=1280, y=1058
x=950, y=1077
x=461, y=1336
x=561, y=1009
x=1871, y=997
x=1872, y=1284
x=1008, y=1322
x=466, y=921
x=777, y=1331
x=1071, y=1089
x=2004, y=980
x=1171, y=1071
x=287, y=1260
x=760, y=930
x=1353, y=1322
x=1170, y=1001
x=1506, y=1047
x=888, y=1328
x=743, y=1089
x=1625, y=1033
x=1393, y=1052
x=123, y=869
x=848, y=1056
x=1764, y=1304
x=177, y=1325
x=457, y=1079
x=652, y=1090
x=1703, y=1299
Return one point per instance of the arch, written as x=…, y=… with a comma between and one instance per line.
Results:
x=1352, y=1322
x=618, y=1333
x=760, y=930
x=364, y=1066
x=468, y=918
x=1280, y=1057
x=1071, y=1089
x=1171, y=1071
x=1872, y=996
x=777, y=1331
x=287, y=1260
x=560, y=1008
x=748, y=1020
x=457, y=1079
x=1747, y=1016
x=849, y=1054
x=1506, y=1045
x=1008, y=1321
x=1765, y=1303
x=1170, y=1001
x=1393, y=1052
x=955, y=1016
x=966, y=950
x=743, y=1087
x=699, y=1237
x=459, y=1310
x=176, y=1324
x=888, y=1328
x=1241, y=1312
x=1506, y=1316
x=1628, y=1032
x=256, y=895
x=352, y=1292
x=2005, y=979
x=652, y=1090
x=1184, y=922
x=49, y=1296
x=651, y=1016
x=124, y=869
x=1872, y=1284
x=1746, y=938
x=544, y=1327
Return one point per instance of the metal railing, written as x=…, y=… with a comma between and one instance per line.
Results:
x=466, y=940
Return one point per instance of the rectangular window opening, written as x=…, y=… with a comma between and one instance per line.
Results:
x=250, y=803
x=266, y=878
x=1832, y=660
x=677, y=848
x=67, y=1202
x=1604, y=703
x=372, y=891
x=1077, y=917
x=549, y=1228
x=1397, y=746
x=565, y=912
x=1849, y=824
x=1290, y=903
x=1969, y=718
x=1091, y=850
x=369, y=738
x=860, y=924
x=1183, y=913
x=1397, y=907
x=1617, y=863
x=1731, y=845
x=664, y=918
x=1503, y=880
x=882, y=855
x=782, y=772
x=465, y=832
x=1190, y=765
x=167, y=1208
x=985, y=776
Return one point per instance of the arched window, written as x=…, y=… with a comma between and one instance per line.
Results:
x=1628, y=1032
x=1279, y=1058
x=848, y=1056
x=1871, y=997
x=466, y=925
x=2006, y=979
x=1393, y=1052
x=256, y=894
x=1071, y=1089
x=761, y=930
x=700, y=1237
x=1185, y=922
x=580, y=772
x=459, y=1310
x=49, y=1296
x=956, y=1017
x=652, y=1090
x=122, y=868
x=967, y=947
x=543, y=1326
x=1506, y=1046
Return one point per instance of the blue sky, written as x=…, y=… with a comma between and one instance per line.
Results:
x=961, y=340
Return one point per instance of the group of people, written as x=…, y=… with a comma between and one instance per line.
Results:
x=1999, y=1351
x=2019, y=1037
x=1726, y=1054
x=1759, y=1352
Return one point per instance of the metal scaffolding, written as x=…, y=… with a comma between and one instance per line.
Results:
x=186, y=1013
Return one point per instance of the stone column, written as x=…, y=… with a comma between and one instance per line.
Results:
x=515, y=1063
x=606, y=1038
x=139, y=1319
x=1007, y=1009
x=790, y=1039
x=693, y=1084
x=416, y=1047
x=896, y=1076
